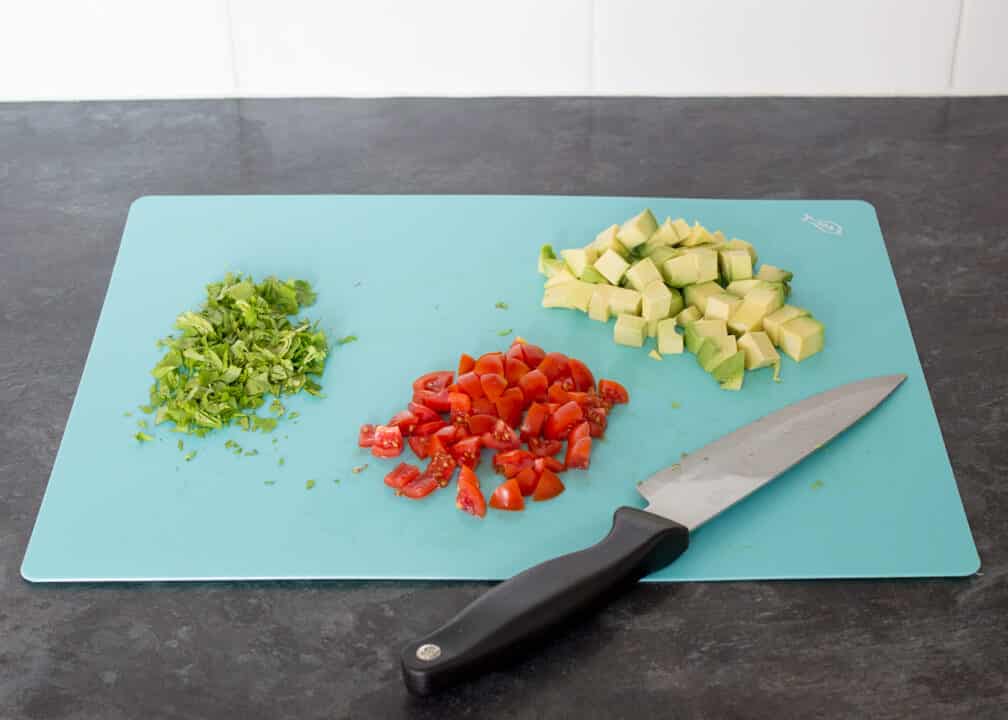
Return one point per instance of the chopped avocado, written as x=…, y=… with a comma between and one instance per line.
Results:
x=593, y=276
x=719, y=238
x=642, y=274
x=772, y=273
x=677, y=303
x=698, y=236
x=741, y=288
x=575, y=295
x=638, y=229
x=707, y=264
x=612, y=266
x=736, y=244
x=624, y=301
x=735, y=265
x=772, y=322
x=729, y=367
x=656, y=301
x=699, y=294
x=681, y=270
x=669, y=341
x=715, y=350
x=667, y=233
x=682, y=228
x=652, y=327
x=734, y=382
x=802, y=337
x=654, y=355
x=552, y=267
x=545, y=253
x=721, y=306
x=755, y=306
x=606, y=240
x=690, y=314
x=659, y=256
x=598, y=305
x=698, y=330
x=629, y=330
x=561, y=278
x=759, y=351
x=579, y=259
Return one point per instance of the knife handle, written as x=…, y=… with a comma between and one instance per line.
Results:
x=512, y=615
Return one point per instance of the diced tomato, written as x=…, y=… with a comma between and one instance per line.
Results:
x=549, y=486
x=405, y=421
x=563, y=420
x=510, y=406
x=470, y=499
x=434, y=381
x=420, y=446
x=512, y=462
x=557, y=393
x=470, y=384
x=365, y=437
x=502, y=437
x=613, y=392
x=582, y=376
x=579, y=431
x=421, y=487
x=542, y=447
x=466, y=363
x=422, y=412
x=514, y=370
x=466, y=475
x=581, y=398
x=547, y=463
x=554, y=366
x=579, y=454
x=526, y=480
x=437, y=401
x=532, y=354
x=481, y=423
x=429, y=428
x=403, y=474
x=534, y=385
x=388, y=441
x=507, y=496
x=531, y=426
x=453, y=388
x=461, y=408
x=494, y=385
x=598, y=420
x=466, y=452
x=450, y=434
x=442, y=464
x=490, y=364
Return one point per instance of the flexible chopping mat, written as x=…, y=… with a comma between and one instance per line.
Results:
x=416, y=278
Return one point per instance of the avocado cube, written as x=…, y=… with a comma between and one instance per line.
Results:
x=719, y=238
x=574, y=295
x=707, y=264
x=722, y=305
x=772, y=273
x=688, y=315
x=682, y=228
x=699, y=235
x=666, y=234
x=593, y=276
x=729, y=367
x=598, y=304
x=699, y=294
x=772, y=323
x=629, y=330
x=612, y=266
x=802, y=337
x=638, y=229
x=736, y=244
x=669, y=341
x=759, y=351
x=715, y=350
x=735, y=265
x=699, y=330
x=579, y=259
x=607, y=240
x=545, y=253
x=659, y=256
x=755, y=306
x=624, y=301
x=552, y=267
x=560, y=277
x=734, y=382
x=677, y=304
x=681, y=270
x=741, y=288
x=642, y=274
x=656, y=300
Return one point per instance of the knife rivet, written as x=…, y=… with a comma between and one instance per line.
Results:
x=428, y=652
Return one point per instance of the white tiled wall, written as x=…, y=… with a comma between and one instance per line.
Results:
x=218, y=48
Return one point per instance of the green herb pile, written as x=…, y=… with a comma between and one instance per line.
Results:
x=239, y=347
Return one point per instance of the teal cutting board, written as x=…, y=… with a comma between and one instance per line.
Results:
x=416, y=279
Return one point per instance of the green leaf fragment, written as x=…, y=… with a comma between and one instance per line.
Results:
x=501, y=305
x=180, y=444
x=142, y=424
x=142, y=437
x=502, y=333
x=264, y=424
x=189, y=455
x=251, y=453
x=675, y=405
x=127, y=414
x=294, y=415
x=269, y=482
x=277, y=408
x=281, y=461
x=347, y=340
x=309, y=485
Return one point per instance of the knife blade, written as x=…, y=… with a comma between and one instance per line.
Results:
x=516, y=614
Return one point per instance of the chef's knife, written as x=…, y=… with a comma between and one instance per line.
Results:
x=681, y=498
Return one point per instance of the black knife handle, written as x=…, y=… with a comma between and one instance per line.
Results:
x=519, y=611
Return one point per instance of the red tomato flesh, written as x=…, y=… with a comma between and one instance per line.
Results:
x=422, y=412
x=470, y=500
x=613, y=392
x=466, y=475
x=507, y=496
x=526, y=480
x=534, y=385
x=388, y=441
x=470, y=385
x=549, y=486
x=484, y=406
x=582, y=376
x=541, y=447
x=466, y=452
x=514, y=370
x=403, y=474
x=365, y=437
x=562, y=421
x=466, y=363
x=429, y=428
x=423, y=486
x=494, y=385
x=434, y=381
x=420, y=446
x=405, y=421
x=554, y=366
x=437, y=401
x=490, y=364
x=579, y=454
x=532, y=425
x=502, y=437
x=510, y=406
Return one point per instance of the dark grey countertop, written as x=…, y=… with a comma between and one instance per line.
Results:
x=935, y=169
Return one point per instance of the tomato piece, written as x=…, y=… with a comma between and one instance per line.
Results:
x=598, y=420
x=541, y=447
x=461, y=408
x=466, y=475
x=469, y=499
x=613, y=392
x=403, y=474
x=512, y=462
x=502, y=437
x=466, y=452
x=582, y=376
x=507, y=496
x=557, y=393
x=554, y=366
x=405, y=421
x=429, y=428
x=422, y=412
x=579, y=454
x=442, y=464
x=365, y=436
x=526, y=480
x=579, y=431
x=421, y=487
x=494, y=385
x=453, y=388
x=420, y=446
x=547, y=463
x=510, y=406
x=437, y=401
x=481, y=423
x=563, y=420
x=534, y=385
x=466, y=363
x=531, y=426
x=514, y=370
x=532, y=354
x=450, y=434
x=434, y=381
x=470, y=385
x=490, y=364
x=549, y=486
x=388, y=441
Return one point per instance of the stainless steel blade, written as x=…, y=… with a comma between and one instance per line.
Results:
x=718, y=475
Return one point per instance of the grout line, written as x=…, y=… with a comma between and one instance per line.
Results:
x=231, y=47
x=955, y=45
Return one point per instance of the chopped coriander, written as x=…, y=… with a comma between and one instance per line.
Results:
x=336, y=480
x=281, y=461
x=146, y=409
x=818, y=484
x=294, y=415
x=180, y=445
x=347, y=340
x=251, y=453
x=274, y=441
x=502, y=333
x=142, y=424
x=269, y=482
x=276, y=407
x=359, y=469
x=143, y=437
x=189, y=455
x=267, y=425
x=230, y=444
x=501, y=305
x=675, y=405
x=309, y=485
x=127, y=414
